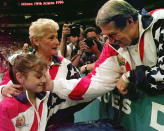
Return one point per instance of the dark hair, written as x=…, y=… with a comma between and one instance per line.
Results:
x=89, y=29
x=120, y=21
x=89, y=41
x=25, y=63
x=74, y=30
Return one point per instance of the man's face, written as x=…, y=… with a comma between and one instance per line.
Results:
x=122, y=37
x=74, y=39
x=91, y=35
x=25, y=47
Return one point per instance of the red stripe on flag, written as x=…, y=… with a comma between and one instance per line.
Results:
x=81, y=88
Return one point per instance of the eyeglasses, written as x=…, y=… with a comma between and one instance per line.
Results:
x=112, y=38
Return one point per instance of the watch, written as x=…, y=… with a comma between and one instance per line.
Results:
x=85, y=67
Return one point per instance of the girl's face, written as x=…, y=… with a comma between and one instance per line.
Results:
x=34, y=81
x=48, y=44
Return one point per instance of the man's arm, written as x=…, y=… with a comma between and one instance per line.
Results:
x=102, y=79
x=87, y=68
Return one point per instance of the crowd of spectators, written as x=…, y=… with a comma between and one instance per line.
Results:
x=73, y=46
x=81, y=46
x=6, y=51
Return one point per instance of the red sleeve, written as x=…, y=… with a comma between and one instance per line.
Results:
x=106, y=53
x=83, y=85
x=6, y=79
x=5, y=120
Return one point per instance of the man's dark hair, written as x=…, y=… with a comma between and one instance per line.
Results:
x=120, y=21
x=89, y=40
x=89, y=29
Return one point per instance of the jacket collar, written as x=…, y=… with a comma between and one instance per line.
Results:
x=55, y=59
x=23, y=98
x=146, y=19
x=145, y=22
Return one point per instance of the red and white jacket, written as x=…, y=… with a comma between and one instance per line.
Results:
x=18, y=113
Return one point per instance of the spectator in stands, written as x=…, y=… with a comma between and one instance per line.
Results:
x=71, y=35
x=134, y=37
x=3, y=64
x=89, y=52
x=25, y=48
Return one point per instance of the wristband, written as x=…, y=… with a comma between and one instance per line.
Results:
x=79, y=55
x=125, y=78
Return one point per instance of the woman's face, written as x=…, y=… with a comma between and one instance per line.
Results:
x=48, y=44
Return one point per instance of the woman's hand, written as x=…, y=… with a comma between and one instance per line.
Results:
x=12, y=90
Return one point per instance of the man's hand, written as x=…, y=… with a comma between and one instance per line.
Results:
x=95, y=49
x=12, y=90
x=122, y=86
x=82, y=46
x=82, y=69
x=65, y=30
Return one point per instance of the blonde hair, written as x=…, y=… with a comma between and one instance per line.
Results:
x=40, y=27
